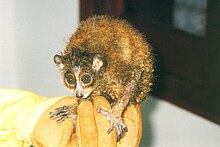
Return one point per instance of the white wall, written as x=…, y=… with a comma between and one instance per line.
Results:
x=166, y=125
x=31, y=32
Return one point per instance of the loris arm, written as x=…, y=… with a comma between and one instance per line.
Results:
x=114, y=116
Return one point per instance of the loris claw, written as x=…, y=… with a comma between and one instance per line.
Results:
x=62, y=113
x=107, y=57
x=115, y=122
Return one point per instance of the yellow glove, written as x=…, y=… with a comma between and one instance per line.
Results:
x=26, y=121
x=91, y=128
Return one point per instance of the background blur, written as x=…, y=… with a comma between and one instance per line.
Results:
x=32, y=32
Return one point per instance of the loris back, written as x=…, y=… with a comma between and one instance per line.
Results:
x=124, y=48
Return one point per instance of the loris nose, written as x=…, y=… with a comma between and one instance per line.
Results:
x=79, y=95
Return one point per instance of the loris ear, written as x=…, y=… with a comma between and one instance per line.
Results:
x=97, y=62
x=58, y=61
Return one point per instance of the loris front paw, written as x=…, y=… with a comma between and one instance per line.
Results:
x=115, y=122
x=62, y=113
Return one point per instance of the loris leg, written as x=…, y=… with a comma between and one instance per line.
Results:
x=62, y=113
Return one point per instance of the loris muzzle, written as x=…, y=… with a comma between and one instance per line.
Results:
x=107, y=57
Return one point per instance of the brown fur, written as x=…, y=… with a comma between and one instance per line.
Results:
x=125, y=48
x=124, y=75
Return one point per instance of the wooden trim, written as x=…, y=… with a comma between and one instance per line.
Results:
x=100, y=7
x=189, y=96
x=86, y=8
x=188, y=72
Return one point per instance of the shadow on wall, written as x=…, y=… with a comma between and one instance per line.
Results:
x=148, y=107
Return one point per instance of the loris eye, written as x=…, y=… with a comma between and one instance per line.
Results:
x=86, y=79
x=70, y=79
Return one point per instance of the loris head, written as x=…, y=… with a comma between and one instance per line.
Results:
x=80, y=70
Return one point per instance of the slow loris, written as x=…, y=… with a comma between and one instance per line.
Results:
x=108, y=57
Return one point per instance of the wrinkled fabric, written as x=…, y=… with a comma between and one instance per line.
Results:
x=19, y=113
